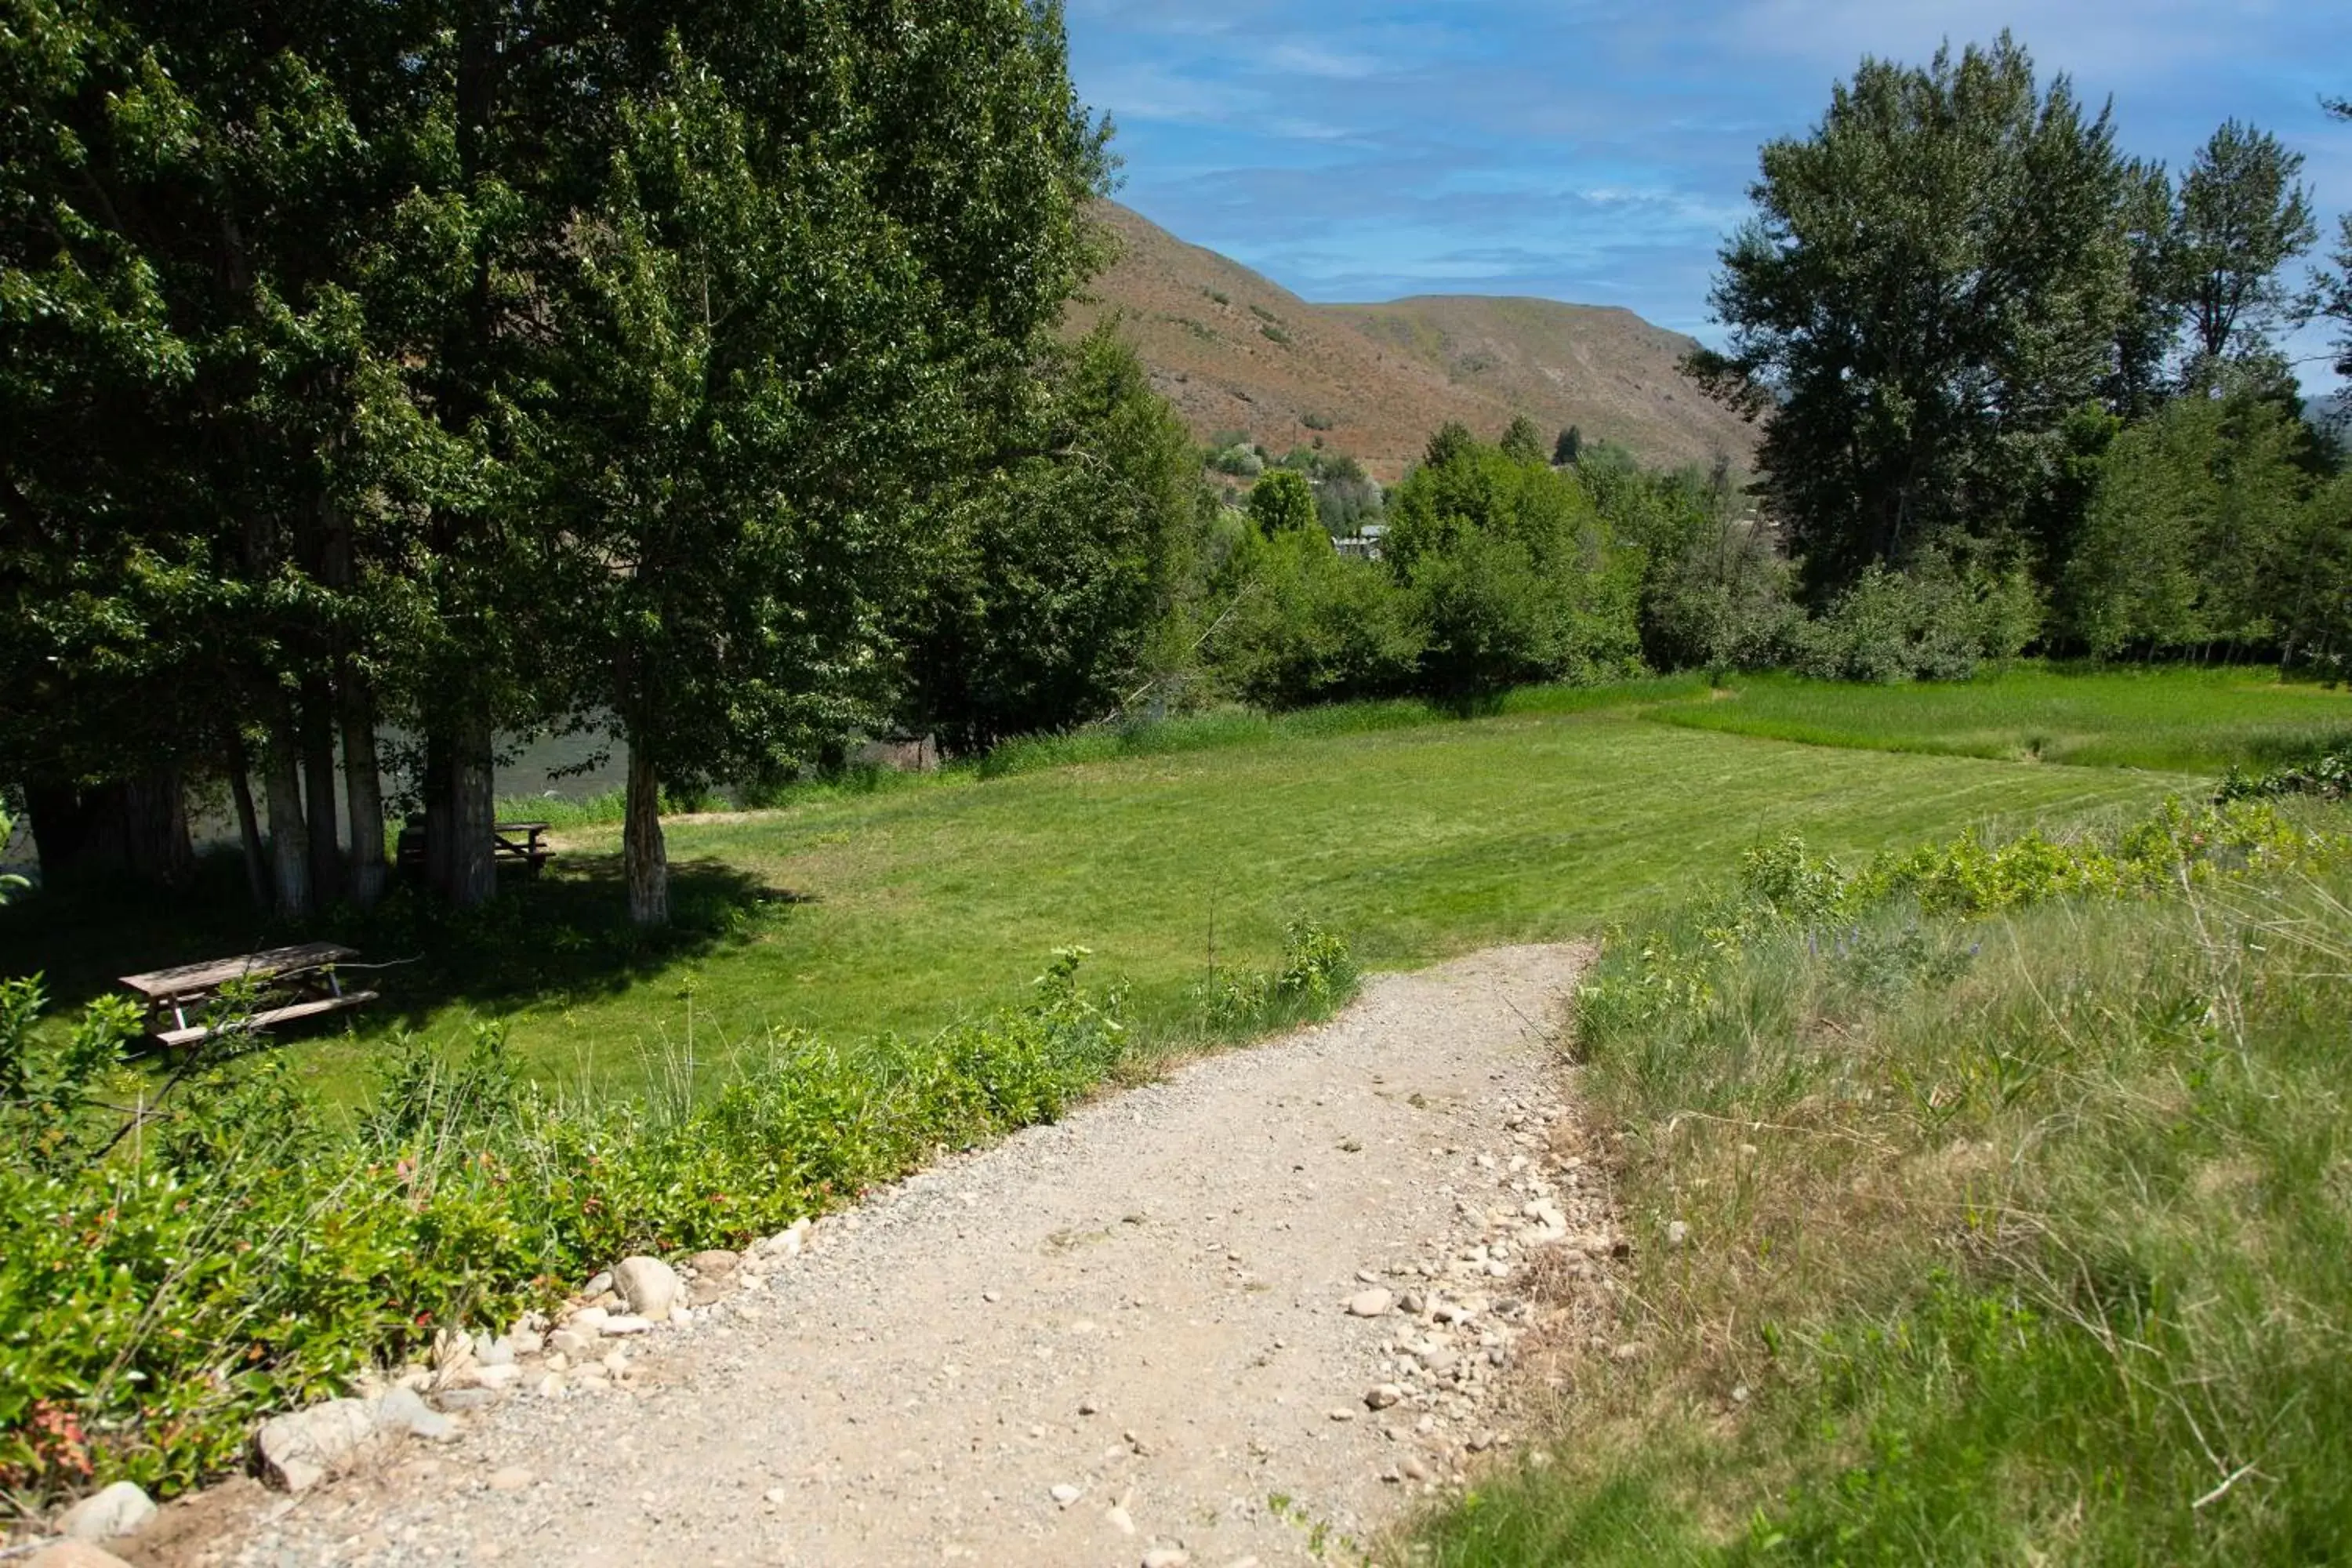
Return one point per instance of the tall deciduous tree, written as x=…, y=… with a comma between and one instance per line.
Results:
x=2243, y=214
x=1283, y=502
x=1933, y=279
x=806, y=296
x=1050, y=575
x=1522, y=442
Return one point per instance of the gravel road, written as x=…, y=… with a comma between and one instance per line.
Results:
x=1115, y=1340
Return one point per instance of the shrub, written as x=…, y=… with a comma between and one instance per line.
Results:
x=1240, y=460
x=1304, y=625
x=1318, y=973
x=1513, y=572
x=1934, y=622
x=2327, y=776
x=166, y=1279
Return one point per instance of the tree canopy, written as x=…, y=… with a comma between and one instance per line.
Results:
x=1933, y=279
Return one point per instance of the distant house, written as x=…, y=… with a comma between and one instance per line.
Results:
x=1363, y=546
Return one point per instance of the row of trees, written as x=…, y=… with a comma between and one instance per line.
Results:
x=1979, y=338
x=465, y=366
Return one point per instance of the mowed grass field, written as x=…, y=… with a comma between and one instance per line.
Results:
x=1416, y=836
x=911, y=907
x=2196, y=720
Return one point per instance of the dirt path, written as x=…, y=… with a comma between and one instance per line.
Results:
x=1110, y=1341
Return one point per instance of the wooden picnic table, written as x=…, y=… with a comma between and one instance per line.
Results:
x=524, y=842
x=306, y=973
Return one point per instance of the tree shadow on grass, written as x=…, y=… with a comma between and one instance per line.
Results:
x=564, y=933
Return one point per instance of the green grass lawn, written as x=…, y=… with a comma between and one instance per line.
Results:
x=2191, y=721
x=913, y=906
x=1417, y=836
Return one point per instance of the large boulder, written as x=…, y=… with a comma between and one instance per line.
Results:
x=122, y=1509
x=649, y=1287
x=303, y=1447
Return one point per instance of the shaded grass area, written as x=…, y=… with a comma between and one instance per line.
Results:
x=2182, y=720
x=2010, y=1240
x=900, y=910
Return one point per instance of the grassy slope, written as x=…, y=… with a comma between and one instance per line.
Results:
x=2019, y=1240
x=1416, y=843
x=2190, y=720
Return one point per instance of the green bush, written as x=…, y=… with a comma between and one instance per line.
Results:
x=1318, y=973
x=1932, y=623
x=1304, y=625
x=2327, y=776
x=168, y=1277
x=1513, y=572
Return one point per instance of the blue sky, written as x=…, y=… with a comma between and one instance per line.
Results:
x=1597, y=150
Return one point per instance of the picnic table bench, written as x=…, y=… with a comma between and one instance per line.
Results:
x=522, y=842
x=305, y=975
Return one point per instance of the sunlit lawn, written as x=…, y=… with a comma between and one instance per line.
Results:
x=855, y=914
x=2191, y=719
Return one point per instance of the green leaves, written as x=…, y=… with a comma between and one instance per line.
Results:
x=1932, y=278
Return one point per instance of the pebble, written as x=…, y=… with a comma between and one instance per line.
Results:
x=509, y=1479
x=1119, y=1520
x=598, y=1285
x=623, y=1327
x=1167, y=1557
x=1384, y=1395
x=1677, y=1233
x=1066, y=1494
x=1370, y=1303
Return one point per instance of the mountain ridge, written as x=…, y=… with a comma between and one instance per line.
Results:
x=1234, y=351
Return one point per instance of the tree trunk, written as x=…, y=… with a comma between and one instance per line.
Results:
x=155, y=845
x=59, y=825
x=290, y=835
x=472, y=873
x=439, y=798
x=135, y=827
x=249, y=829
x=319, y=789
x=362, y=793
x=645, y=860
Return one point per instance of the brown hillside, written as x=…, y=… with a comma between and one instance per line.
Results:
x=1236, y=351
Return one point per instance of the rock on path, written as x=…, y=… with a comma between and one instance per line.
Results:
x=1115, y=1336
